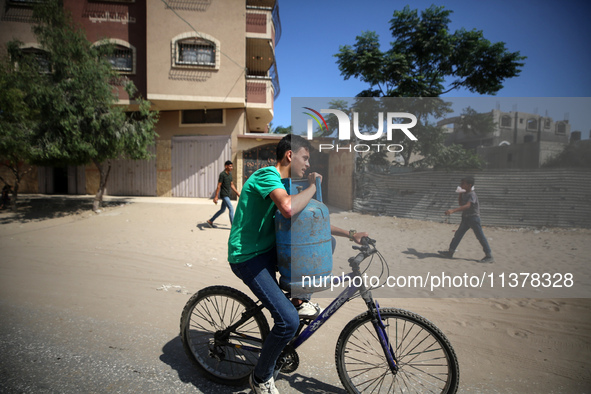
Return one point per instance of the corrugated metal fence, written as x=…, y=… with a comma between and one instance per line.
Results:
x=545, y=197
x=133, y=177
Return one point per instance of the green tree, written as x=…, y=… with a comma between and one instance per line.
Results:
x=80, y=122
x=426, y=59
x=18, y=118
x=282, y=130
x=475, y=123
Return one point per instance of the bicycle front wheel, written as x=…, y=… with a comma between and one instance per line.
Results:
x=229, y=358
x=427, y=362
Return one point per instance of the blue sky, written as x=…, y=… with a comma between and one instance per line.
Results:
x=553, y=35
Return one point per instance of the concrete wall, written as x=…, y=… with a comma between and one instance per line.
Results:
x=223, y=22
x=29, y=183
x=164, y=168
x=341, y=166
x=529, y=155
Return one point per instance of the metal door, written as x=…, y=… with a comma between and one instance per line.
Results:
x=196, y=164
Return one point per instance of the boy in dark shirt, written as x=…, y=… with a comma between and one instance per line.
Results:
x=225, y=185
x=468, y=205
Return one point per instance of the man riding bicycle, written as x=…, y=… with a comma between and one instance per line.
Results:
x=251, y=247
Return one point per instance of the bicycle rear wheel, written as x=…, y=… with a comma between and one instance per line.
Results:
x=229, y=359
x=426, y=360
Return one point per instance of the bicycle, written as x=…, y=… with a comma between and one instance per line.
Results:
x=381, y=350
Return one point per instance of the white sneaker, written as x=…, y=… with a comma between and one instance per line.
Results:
x=267, y=387
x=309, y=310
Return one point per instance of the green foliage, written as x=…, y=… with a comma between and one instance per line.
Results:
x=331, y=120
x=472, y=122
x=78, y=120
x=450, y=158
x=61, y=109
x=576, y=155
x=426, y=59
x=18, y=116
x=282, y=130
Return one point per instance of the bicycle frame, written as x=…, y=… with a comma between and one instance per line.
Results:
x=381, y=350
x=335, y=305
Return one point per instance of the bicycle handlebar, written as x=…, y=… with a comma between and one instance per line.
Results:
x=365, y=243
x=368, y=241
x=367, y=248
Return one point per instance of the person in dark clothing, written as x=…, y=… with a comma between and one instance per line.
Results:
x=5, y=202
x=470, y=208
x=225, y=186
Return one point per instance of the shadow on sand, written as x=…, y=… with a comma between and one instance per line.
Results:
x=32, y=209
x=174, y=355
x=424, y=255
x=204, y=226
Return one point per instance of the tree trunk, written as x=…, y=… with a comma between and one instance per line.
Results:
x=104, y=177
x=14, y=196
x=406, y=155
x=14, y=168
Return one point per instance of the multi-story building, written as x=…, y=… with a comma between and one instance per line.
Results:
x=518, y=140
x=207, y=66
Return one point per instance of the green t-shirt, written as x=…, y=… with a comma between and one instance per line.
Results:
x=226, y=181
x=253, y=228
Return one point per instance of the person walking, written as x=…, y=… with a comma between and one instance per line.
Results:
x=225, y=186
x=470, y=208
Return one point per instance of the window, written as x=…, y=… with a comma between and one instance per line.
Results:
x=18, y=11
x=547, y=123
x=122, y=59
x=123, y=56
x=41, y=56
x=560, y=128
x=532, y=124
x=199, y=50
x=202, y=116
x=24, y=3
x=196, y=53
x=506, y=121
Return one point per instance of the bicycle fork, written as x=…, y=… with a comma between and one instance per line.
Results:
x=382, y=336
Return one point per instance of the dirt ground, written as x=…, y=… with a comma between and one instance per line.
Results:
x=91, y=302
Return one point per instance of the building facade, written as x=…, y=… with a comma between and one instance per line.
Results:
x=207, y=66
x=519, y=140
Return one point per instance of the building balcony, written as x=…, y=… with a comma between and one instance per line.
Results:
x=262, y=19
x=259, y=103
x=263, y=29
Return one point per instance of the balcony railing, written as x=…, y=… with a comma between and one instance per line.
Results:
x=271, y=76
x=265, y=5
x=256, y=21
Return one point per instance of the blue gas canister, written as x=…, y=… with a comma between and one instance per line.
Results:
x=304, y=244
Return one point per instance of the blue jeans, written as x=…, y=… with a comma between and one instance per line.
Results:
x=225, y=203
x=470, y=222
x=259, y=275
